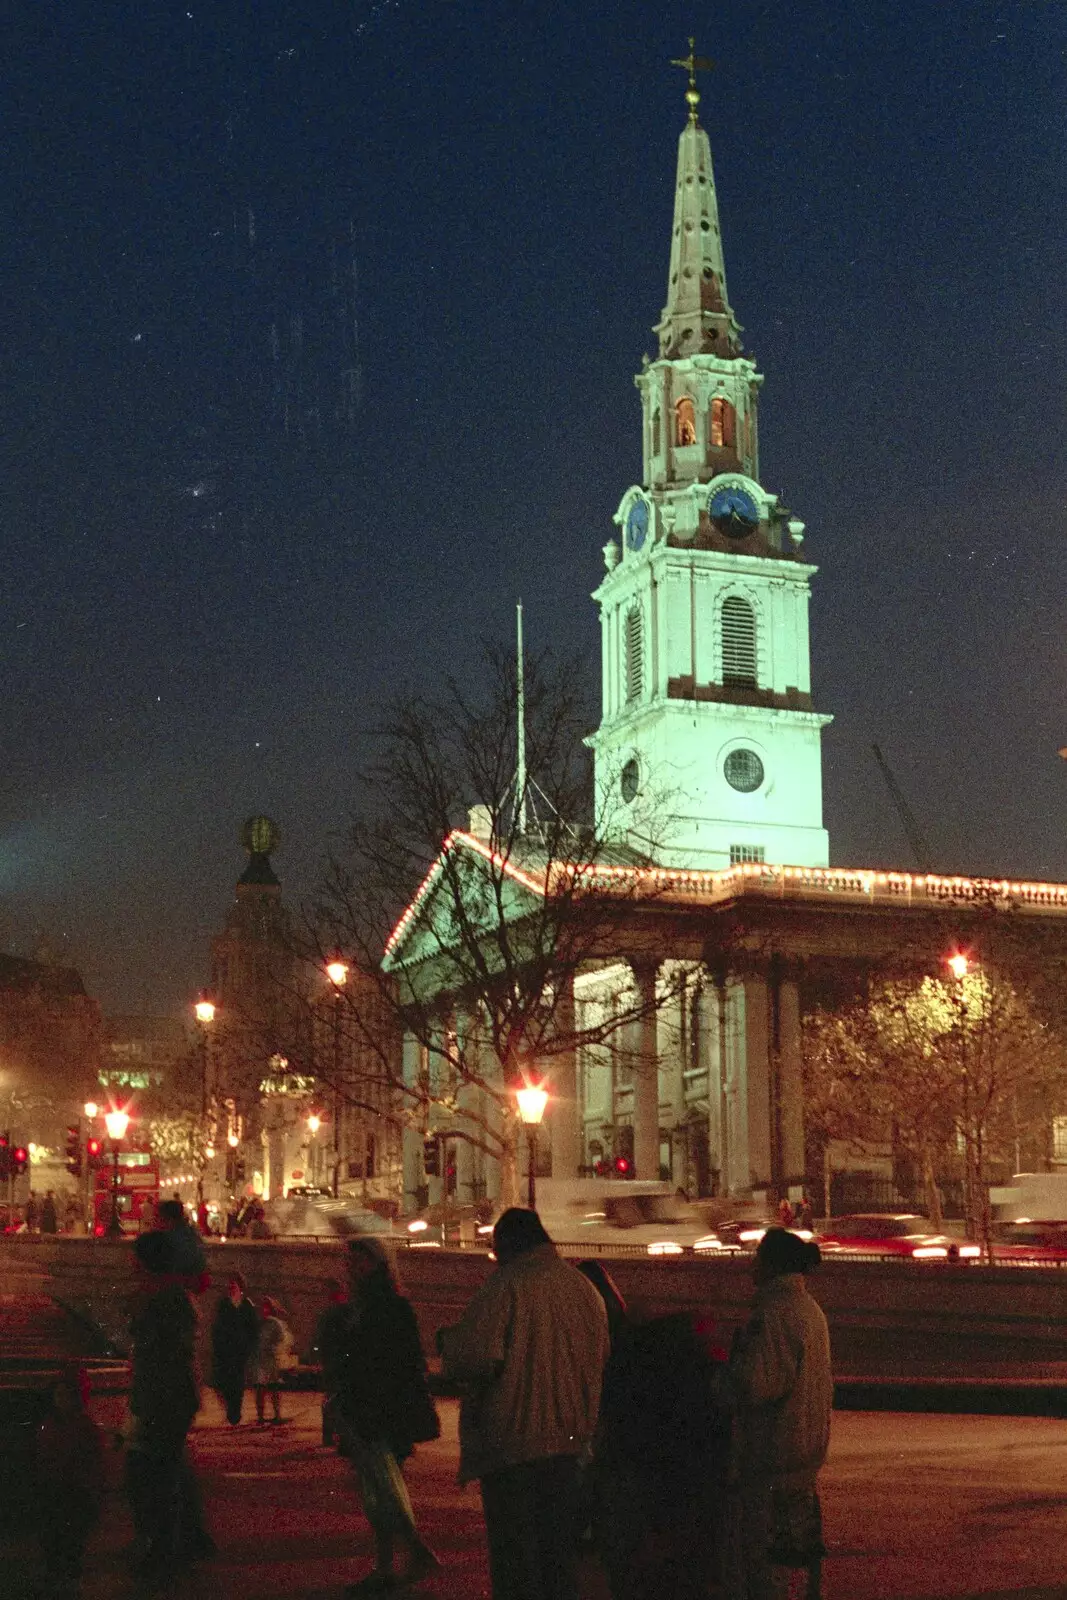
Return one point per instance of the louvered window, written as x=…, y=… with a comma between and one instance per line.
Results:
x=738, y=642
x=635, y=656
x=723, y=423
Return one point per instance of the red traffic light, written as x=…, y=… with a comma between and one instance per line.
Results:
x=19, y=1158
x=92, y=1149
x=623, y=1166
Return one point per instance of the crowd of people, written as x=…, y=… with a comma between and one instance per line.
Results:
x=689, y=1469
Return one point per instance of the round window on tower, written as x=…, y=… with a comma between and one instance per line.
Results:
x=630, y=781
x=743, y=770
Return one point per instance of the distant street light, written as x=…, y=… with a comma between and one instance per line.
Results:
x=117, y=1122
x=337, y=972
x=205, y=1009
x=960, y=964
x=532, y=1099
x=90, y=1108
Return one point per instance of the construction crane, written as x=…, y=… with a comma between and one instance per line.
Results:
x=920, y=849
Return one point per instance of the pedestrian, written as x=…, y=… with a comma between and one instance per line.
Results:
x=272, y=1356
x=74, y=1217
x=49, y=1219
x=384, y=1409
x=805, y=1216
x=187, y=1245
x=530, y=1351
x=164, y=1399
x=331, y=1336
x=780, y=1382
x=234, y=1336
x=32, y=1213
x=69, y=1471
x=785, y=1213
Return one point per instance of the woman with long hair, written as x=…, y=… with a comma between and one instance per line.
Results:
x=384, y=1409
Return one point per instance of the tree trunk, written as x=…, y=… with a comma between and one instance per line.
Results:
x=509, y=1168
x=931, y=1192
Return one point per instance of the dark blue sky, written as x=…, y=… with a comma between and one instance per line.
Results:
x=198, y=616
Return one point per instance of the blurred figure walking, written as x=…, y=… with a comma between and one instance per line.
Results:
x=331, y=1335
x=273, y=1355
x=234, y=1336
x=384, y=1410
x=530, y=1350
x=780, y=1381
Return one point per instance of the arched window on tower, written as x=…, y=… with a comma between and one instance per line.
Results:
x=738, y=643
x=723, y=423
x=685, y=422
x=635, y=655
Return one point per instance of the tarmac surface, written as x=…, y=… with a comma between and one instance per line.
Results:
x=916, y=1507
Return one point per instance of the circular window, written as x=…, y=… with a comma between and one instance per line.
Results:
x=630, y=780
x=743, y=770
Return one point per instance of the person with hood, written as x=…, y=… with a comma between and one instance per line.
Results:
x=234, y=1335
x=779, y=1381
x=272, y=1356
x=382, y=1409
x=530, y=1351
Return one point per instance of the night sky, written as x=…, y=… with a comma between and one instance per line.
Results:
x=202, y=611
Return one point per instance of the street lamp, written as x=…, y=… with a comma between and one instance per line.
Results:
x=314, y=1124
x=337, y=972
x=205, y=1016
x=533, y=1099
x=117, y=1122
x=960, y=964
x=90, y=1108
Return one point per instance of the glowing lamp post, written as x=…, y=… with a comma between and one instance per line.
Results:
x=337, y=972
x=204, y=1010
x=117, y=1123
x=532, y=1100
x=959, y=964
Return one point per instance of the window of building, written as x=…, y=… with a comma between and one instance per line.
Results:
x=685, y=422
x=723, y=423
x=635, y=655
x=742, y=853
x=630, y=780
x=738, y=642
x=743, y=771
x=1059, y=1138
x=655, y=433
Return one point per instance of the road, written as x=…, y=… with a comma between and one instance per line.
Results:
x=917, y=1507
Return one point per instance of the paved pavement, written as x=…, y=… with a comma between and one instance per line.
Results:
x=917, y=1507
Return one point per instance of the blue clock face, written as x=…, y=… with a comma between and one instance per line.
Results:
x=637, y=525
x=733, y=510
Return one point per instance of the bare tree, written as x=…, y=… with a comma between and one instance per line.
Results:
x=470, y=897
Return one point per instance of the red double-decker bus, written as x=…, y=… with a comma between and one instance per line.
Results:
x=137, y=1186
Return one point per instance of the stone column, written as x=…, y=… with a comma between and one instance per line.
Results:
x=564, y=1112
x=759, y=1084
x=712, y=1059
x=412, y=1151
x=790, y=1086
x=645, y=1072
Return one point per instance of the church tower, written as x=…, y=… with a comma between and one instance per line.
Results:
x=708, y=751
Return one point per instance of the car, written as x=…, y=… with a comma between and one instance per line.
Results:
x=653, y=1220
x=439, y=1225
x=904, y=1234
x=302, y=1216
x=745, y=1232
x=1023, y=1241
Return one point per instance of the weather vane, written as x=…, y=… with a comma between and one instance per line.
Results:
x=692, y=63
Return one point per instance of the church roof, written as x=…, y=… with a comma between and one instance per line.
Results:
x=681, y=887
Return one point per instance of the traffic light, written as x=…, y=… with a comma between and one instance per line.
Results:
x=92, y=1153
x=19, y=1158
x=431, y=1156
x=74, y=1149
x=624, y=1167
x=5, y=1155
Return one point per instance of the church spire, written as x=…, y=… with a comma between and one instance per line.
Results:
x=697, y=319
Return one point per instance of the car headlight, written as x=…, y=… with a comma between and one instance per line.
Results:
x=418, y=1226
x=665, y=1247
x=751, y=1235
x=970, y=1252
x=712, y=1242
x=930, y=1252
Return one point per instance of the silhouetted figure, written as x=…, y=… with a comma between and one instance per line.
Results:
x=530, y=1349
x=49, y=1219
x=272, y=1356
x=331, y=1343
x=69, y=1472
x=234, y=1335
x=164, y=1399
x=780, y=1381
x=383, y=1409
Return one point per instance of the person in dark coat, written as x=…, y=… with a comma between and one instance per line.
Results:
x=164, y=1399
x=384, y=1409
x=49, y=1219
x=234, y=1334
x=69, y=1472
x=331, y=1334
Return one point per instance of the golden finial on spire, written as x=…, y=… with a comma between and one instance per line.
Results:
x=692, y=63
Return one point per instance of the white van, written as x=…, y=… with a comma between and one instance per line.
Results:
x=1031, y=1197
x=598, y=1213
